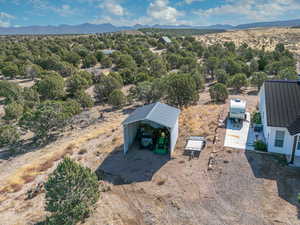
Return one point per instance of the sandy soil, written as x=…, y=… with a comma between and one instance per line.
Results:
x=158, y=52
x=258, y=38
x=97, y=70
x=239, y=188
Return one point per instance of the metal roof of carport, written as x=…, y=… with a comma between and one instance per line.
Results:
x=156, y=112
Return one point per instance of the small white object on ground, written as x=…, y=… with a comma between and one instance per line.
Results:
x=195, y=144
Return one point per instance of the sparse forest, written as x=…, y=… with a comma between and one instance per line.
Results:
x=63, y=68
x=66, y=96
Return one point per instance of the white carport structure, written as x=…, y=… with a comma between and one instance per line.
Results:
x=156, y=115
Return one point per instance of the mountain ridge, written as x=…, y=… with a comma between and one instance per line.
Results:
x=88, y=28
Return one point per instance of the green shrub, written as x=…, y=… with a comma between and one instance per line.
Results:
x=77, y=83
x=256, y=118
x=31, y=98
x=89, y=61
x=10, y=91
x=10, y=70
x=8, y=135
x=13, y=111
x=71, y=193
x=49, y=116
x=260, y=146
x=181, y=90
x=51, y=87
x=85, y=100
x=147, y=92
x=258, y=78
x=117, y=98
x=238, y=81
x=105, y=87
x=218, y=92
x=106, y=62
x=222, y=76
x=71, y=107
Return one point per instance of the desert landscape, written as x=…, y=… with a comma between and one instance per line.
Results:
x=240, y=188
x=259, y=38
x=266, y=38
x=223, y=186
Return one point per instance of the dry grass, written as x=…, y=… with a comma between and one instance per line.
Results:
x=29, y=172
x=200, y=120
x=161, y=182
x=114, y=140
x=82, y=151
x=266, y=38
x=39, y=165
x=28, y=178
x=48, y=164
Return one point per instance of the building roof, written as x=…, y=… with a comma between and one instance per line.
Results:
x=283, y=104
x=156, y=112
x=166, y=39
x=108, y=51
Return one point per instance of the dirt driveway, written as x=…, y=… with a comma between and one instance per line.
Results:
x=243, y=188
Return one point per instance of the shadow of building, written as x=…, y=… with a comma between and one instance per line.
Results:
x=273, y=167
x=136, y=166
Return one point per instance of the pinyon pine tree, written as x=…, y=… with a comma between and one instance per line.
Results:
x=71, y=193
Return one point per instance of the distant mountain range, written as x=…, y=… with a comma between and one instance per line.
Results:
x=88, y=28
x=286, y=23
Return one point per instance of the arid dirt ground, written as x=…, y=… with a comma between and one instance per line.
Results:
x=240, y=188
x=223, y=187
x=258, y=38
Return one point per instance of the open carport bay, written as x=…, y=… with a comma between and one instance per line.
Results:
x=148, y=135
x=160, y=118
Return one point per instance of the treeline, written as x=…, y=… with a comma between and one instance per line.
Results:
x=180, y=32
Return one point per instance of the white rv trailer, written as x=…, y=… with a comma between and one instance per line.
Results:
x=237, y=109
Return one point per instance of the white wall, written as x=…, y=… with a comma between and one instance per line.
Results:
x=297, y=153
x=263, y=113
x=129, y=132
x=270, y=132
x=287, y=144
x=174, y=136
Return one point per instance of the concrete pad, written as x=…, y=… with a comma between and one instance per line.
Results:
x=254, y=136
x=236, y=137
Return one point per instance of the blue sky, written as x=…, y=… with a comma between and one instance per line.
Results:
x=130, y=12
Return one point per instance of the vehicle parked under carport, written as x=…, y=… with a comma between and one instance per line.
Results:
x=154, y=126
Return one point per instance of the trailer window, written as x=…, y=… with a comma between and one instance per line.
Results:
x=279, y=138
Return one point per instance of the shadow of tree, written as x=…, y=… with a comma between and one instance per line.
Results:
x=253, y=92
x=273, y=167
x=25, y=146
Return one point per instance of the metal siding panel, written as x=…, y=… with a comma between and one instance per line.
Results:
x=164, y=115
x=174, y=136
x=156, y=112
x=140, y=113
x=130, y=131
x=282, y=102
x=125, y=134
